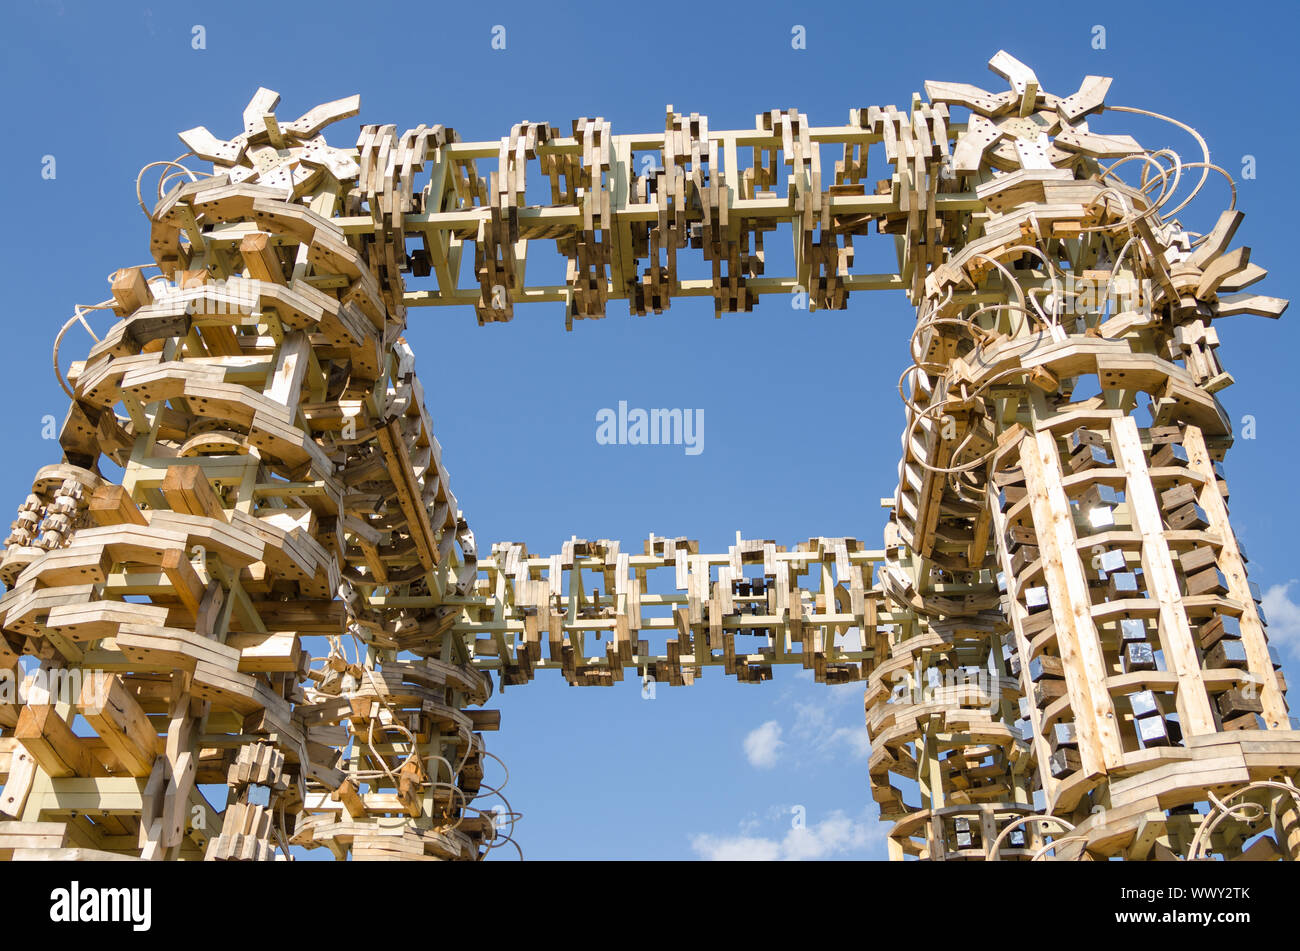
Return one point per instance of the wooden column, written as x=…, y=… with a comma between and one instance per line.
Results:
x=1234, y=569
x=1067, y=588
x=1193, y=703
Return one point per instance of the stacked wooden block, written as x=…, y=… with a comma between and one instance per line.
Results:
x=1061, y=648
x=1135, y=640
x=282, y=488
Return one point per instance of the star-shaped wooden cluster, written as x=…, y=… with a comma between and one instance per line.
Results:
x=289, y=157
x=1025, y=127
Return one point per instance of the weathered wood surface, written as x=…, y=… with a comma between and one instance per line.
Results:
x=1056, y=637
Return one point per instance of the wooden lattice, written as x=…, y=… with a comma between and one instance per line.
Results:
x=1058, y=639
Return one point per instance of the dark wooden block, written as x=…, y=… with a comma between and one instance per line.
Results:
x=1217, y=628
x=1177, y=497
x=1047, y=690
x=1236, y=701
x=1101, y=494
x=1036, y=623
x=1244, y=721
x=1090, y=457
x=1227, y=653
x=1025, y=555
x=1009, y=495
x=1084, y=437
x=1197, y=558
x=1063, y=734
x=1045, y=665
x=1018, y=535
x=1170, y=454
x=1207, y=581
x=1190, y=517
x=1064, y=762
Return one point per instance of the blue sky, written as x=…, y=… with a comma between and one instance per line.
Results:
x=801, y=412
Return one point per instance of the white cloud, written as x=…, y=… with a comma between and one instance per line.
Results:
x=835, y=835
x=739, y=848
x=763, y=745
x=854, y=738
x=1283, y=617
x=815, y=723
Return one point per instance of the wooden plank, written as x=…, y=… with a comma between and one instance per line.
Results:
x=1230, y=562
x=50, y=741
x=120, y=722
x=1076, y=635
x=1194, y=713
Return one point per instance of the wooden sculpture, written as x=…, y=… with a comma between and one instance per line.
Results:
x=1061, y=651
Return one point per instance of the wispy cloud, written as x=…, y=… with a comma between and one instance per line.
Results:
x=837, y=835
x=827, y=723
x=1283, y=617
x=763, y=744
x=739, y=848
x=820, y=728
